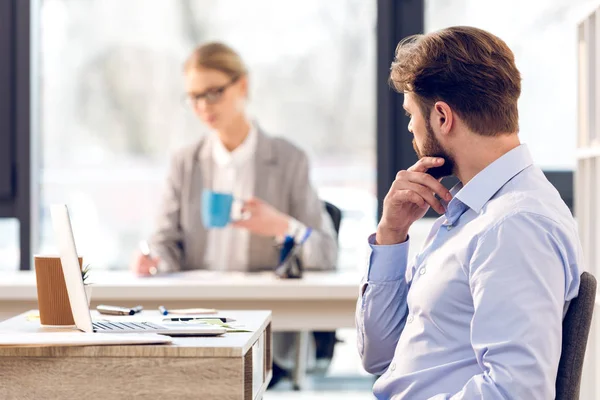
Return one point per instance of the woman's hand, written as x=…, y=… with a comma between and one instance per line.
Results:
x=143, y=265
x=263, y=219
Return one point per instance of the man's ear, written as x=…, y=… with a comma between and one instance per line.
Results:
x=443, y=117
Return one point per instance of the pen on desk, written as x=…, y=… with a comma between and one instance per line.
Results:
x=114, y=310
x=136, y=309
x=185, y=319
x=163, y=310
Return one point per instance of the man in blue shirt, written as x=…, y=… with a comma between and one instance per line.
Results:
x=478, y=313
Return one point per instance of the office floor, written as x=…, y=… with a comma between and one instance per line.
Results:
x=312, y=395
x=345, y=378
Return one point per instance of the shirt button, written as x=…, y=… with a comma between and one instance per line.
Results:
x=410, y=319
x=422, y=271
x=393, y=367
x=448, y=227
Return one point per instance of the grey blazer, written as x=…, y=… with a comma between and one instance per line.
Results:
x=282, y=180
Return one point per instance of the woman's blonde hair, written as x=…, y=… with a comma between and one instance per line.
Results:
x=217, y=56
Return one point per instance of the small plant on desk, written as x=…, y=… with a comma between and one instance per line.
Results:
x=85, y=274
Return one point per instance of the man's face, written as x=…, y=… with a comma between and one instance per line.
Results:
x=424, y=142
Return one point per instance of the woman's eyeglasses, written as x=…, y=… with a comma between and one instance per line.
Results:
x=211, y=96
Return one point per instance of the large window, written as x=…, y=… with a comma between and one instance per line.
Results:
x=111, y=112
x=107, y=74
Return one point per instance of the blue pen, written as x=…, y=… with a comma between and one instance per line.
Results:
x=288, y=245
x=163, y=310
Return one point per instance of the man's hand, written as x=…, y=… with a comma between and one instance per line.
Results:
x=263, y=219
x=409, y=198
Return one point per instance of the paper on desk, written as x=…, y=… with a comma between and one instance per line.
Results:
x=79, y=339
x=33, y=316
x=230, y=328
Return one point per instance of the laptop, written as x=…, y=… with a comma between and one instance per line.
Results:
x=77, y=297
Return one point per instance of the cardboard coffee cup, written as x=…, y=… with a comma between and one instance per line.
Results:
x=53, y=299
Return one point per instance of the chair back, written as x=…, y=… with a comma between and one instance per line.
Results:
x=335, y=214
x=576, y=328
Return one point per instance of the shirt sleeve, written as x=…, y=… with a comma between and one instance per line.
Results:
x=381, y=310
x=518, y=275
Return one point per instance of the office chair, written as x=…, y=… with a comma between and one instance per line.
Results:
x=336, y=216
x=576, y=328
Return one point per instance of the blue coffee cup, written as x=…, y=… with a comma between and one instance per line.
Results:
x=216, y=208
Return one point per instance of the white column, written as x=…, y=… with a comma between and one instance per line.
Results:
x=587, y=179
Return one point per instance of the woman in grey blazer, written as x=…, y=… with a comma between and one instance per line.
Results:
x=270, y=174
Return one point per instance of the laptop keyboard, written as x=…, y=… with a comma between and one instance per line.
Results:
x=105, y=326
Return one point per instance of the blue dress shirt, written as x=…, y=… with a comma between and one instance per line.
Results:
x=478, y=313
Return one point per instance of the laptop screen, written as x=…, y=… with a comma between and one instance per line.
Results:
x=70, y=266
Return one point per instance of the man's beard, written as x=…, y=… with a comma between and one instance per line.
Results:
x=432, y=148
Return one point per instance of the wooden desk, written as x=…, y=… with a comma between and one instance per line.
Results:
x=234, y=366
x=320, y=301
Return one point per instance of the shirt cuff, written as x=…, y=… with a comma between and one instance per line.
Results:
x=296, y=230
x=387, y=263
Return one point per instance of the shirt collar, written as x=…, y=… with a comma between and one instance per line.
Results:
x=242, y=153
x=485, y=184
